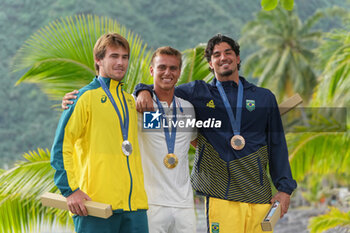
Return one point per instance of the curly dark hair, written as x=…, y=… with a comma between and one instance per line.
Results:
x=217, y=39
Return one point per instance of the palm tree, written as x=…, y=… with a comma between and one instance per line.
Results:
x=59, y=59
x=284, y=58
x=327, y=153
x=332, y=91
x=59, y=56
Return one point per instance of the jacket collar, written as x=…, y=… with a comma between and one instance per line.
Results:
x=245, y=83
x=111, y=83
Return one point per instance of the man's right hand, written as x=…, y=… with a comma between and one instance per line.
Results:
x=144, y=102
x=67, y=99
x=75, y=203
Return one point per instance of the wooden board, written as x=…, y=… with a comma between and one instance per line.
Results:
x=270, y=220
x=96, y=209
x=290, y=103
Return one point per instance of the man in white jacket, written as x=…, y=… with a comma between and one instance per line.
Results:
x=164, y=151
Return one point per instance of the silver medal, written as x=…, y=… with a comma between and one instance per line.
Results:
x=126, y=148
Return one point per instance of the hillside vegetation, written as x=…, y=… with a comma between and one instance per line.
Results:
x=27, y=120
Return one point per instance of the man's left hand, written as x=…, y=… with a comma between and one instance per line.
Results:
x=284, y=199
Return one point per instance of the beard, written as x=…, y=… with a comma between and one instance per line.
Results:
x=226, y=73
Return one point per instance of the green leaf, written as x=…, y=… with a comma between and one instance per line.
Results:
x=194, y=66
x=287, y=4
x=309, y=153
x=20, y=191
x=59, y=56
x=334, y=54
x=334, y=218
x=269, y=5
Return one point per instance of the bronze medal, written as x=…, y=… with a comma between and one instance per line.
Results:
x=170, y=161
x=237, y=142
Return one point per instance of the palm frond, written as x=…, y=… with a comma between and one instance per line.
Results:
x=308, y=150
x=59, y=57
x=29, y=178
x=336, y=59
x=194, y=65
x=311, y=21
x=20, y=191
x=334, y=218
x=19, y=214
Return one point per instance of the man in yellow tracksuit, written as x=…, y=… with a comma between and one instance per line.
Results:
x=96, y=153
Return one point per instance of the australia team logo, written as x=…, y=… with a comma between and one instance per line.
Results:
x=152, y=120
x=250, y=105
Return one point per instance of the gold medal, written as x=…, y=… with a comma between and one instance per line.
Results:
x=237, y=142
x=170, y=161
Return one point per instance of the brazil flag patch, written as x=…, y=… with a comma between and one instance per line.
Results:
x=250, y=105
x=215, y=227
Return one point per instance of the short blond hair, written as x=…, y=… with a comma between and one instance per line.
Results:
x=167, y=50
x=106, y=40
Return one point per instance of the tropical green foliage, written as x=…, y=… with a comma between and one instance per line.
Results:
x=335, y=58
x=268, y=5
x=20, y=191
x=284, y=60
x=59, y=56
x=194, y=66
x=69, y=63
x=334, y=218
x=20, y=209
x=326, y=154
x=308, y=150
x=25, y=110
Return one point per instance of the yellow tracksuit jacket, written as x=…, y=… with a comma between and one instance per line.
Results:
x=87, y=153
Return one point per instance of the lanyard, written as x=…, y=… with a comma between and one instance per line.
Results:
x=123, y=125
x=235, y=122
x=170, y=138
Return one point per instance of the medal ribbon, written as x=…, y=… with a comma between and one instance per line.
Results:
x=170, y=138
x=124, y=125
x=235, y=122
